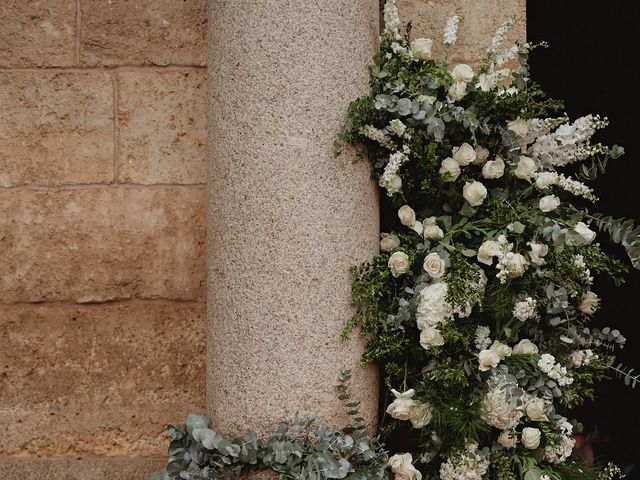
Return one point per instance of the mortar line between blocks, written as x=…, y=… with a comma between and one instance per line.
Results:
x=88, y=186
x=107, y=68
x=116, y=125
x=106, y=303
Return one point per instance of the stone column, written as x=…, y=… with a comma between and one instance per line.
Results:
x=286, y=218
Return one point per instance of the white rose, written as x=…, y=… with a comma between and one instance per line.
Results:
x=549, y=203
x=420, y=415
x=407, y=217
x=402, y=467
x=474, y=193
x=487, y=251
x=546, y=179
x=462, y=73
x=525, y=347
x=586, y=234
x=481, y=155
x=450, y=169
x=493, y=168
x=457, y=91
x=526, y=166
x=516, y=264
x=535, y=410
x=401, y=407
x=389, y=242
x=538, y=250
x=431, y=337
x=488, y=359
x=431, y=229
x=531, y=438
x=519, y=126
x=421, y=48
x=508, y=439
x=434, y=265
x=398, y=263
x=501, y=349
x=464, y=154
x=590, y=303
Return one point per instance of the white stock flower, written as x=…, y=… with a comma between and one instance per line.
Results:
x=586, y=234
x=465, y=154
x=508, y=439
x=525, y=347
x=462, y=73
x=431, y=337
x=420, y=415
x=391, y=183
x=481, y=155
x=488, y=250
x=493, y=168
x=545, y=180
x=582, y=357
x=535, y=410
x=431, y=229
x=389, y=242
x=457, y=91
x=402, y=467
x=482, y=339
x=392, y=20
x=537, y=252
x=398, y=263
x=421, y=48
x=401, y=407
x=407, y=217
x=474, y=193
x=434, y=265
x=519, y=126
x=451, y=30
x=531, y=438
x=488, y=359
x=589, y=303
x=525, y=168
x=450, y=169
x=549, y=203
x=433, y=308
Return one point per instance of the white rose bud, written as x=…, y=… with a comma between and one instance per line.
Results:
x=538, y=251
x=526, y=166
x=531, y=438
x=457, y=91
x=402, y=467
x=508, y=439
x=434, y=265
x=481, y=155
x=493, y=168
x=389, y=242
x=401, y=407
x=407, y=217
x=421, y=48
x=535, y=410
x=431, y=337
x=549, y=203
x=398, y=263
x=488, y=359
x=420, y=415
x=519, y=127
x=586, y=234
x=450, y=169
x=431, y=229
x=487, y=251
x=546, y=179
x=590, y=303
x=474, y=193
x=525, y=347
x=465, y=154
x=462, y=73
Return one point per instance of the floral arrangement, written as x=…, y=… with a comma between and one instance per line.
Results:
x=478, y=308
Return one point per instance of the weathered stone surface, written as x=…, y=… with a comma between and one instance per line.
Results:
x=102, y=243
x=37, y=33
x=142, y=32
x=98, y=379
x=162, y=119
x=481, y=19
x=84, y=468
x=56, y=127
x=286, y=218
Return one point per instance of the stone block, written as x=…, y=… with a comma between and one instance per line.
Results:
x=37, y=33
x=56, y=127
x=99, y=244
x=143, y=32
x=162, y=120
x=98, y=379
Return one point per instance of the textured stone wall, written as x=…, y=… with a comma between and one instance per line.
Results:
x=102, y=232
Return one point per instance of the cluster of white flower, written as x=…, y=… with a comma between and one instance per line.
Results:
x=377, y=135
x=462, y=74
x=555, y=371
x=579, y=263
x=404, y=407
x=562, y=450
x=392, y=20
x=509, y=54
x=432, y=311
x=490, y=357
x=451, y=30
x=525, y=309
x=544, y=180
x=511, y=265
x=397, y=127
x=489, y=81
x=568, y=143
x=402, y=467
x=500, y=408
x=582, y=357
x=469, y=464
x=482, y=339
x=500, y=36
x=390, y=180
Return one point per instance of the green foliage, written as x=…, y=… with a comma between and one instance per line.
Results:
x=622, y=231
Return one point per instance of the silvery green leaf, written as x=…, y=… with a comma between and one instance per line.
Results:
x=566, y=339
x=196, y=421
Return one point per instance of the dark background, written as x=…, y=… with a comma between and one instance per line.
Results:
x=590, y=64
